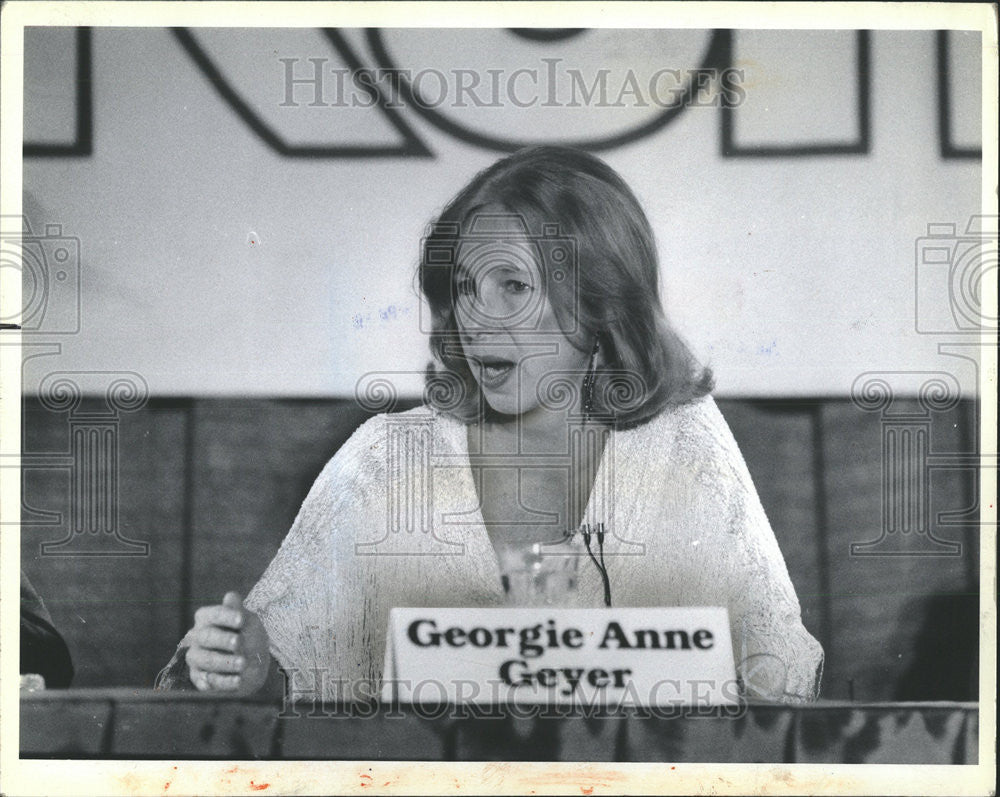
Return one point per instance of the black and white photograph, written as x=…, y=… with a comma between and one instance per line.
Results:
x=549, y=398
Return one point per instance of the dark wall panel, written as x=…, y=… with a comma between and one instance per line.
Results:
x=117, y=612
x=882, y=647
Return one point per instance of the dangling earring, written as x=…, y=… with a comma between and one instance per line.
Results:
x=588, y=383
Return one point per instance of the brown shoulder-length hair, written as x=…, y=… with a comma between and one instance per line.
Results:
x=611, y=293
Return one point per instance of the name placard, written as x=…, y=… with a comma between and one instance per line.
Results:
x=603, y=657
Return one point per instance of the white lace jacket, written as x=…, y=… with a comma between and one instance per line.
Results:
x=394, y=520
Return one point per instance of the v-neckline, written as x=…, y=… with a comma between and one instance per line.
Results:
x=480, y=534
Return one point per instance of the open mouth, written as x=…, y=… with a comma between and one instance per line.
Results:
x=494, y=370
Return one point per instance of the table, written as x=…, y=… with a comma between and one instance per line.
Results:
x=138, y=723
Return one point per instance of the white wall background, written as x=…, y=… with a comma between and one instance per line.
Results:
x=211, y=265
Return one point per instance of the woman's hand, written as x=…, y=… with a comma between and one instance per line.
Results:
x=228, y=648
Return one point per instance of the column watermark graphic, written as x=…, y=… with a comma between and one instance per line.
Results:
x=90, y=462
x=47, y=261
x=418, y=515
x=908, y=460
x=408, y=440
x=952, y=264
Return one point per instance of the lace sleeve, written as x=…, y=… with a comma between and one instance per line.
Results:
x=777, y=658
x=310, y=595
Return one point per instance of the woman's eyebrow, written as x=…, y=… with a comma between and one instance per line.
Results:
x=462, y=271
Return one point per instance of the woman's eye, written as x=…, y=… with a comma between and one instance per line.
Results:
x=517, y=286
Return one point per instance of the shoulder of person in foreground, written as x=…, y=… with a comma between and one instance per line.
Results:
x=43, y=650
x=778, y=659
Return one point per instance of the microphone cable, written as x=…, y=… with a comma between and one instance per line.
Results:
x=599, y=564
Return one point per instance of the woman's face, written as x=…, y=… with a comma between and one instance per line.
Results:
x=510, y=335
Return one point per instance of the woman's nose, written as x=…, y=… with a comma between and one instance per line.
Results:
x=489, y=310
x=480, y=326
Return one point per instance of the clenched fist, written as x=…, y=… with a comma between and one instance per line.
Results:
x=228, y=648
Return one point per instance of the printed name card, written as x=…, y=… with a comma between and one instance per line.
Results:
x=596, y=657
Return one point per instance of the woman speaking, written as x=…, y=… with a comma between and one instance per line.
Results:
x=567, y=453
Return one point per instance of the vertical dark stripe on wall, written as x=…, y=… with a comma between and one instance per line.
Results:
x=83, y=145
x=84, y=92
x=822, y=529
x=727, y=115
x=948, y=149
x=864, y=86
x=185, y=608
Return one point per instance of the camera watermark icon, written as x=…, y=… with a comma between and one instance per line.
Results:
x=91, y=461
x=499, y=274
x=950, y=271
x=908, y=461
x=48, y=266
